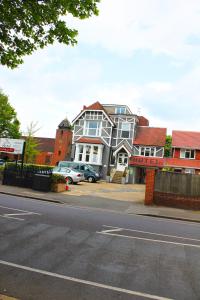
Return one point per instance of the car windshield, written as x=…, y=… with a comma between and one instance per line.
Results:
x=89, y=168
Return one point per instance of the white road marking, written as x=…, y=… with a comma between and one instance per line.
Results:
x=149, y=240
x=86, y=282
x=148, y=232
x=11, y=208
x=22, y=213
x=116, y=229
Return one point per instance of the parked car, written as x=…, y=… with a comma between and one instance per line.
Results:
x=72, y=175
x=2, y=162
x=89, y=173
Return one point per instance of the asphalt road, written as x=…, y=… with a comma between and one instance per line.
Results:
x=50, y=251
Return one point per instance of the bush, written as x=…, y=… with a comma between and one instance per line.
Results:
x=56, y=178
x=1, y=172
x=30, y=167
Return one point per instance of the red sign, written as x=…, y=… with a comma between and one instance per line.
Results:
x=4, y=149
x=146, y=161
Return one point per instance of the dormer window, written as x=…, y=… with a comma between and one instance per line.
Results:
x=187, y=153
x=120, y=110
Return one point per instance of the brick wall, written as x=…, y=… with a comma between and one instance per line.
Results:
x=197, y=155
x=63, y=143
x=177, y=201
x=150, y=181
x=176, y=153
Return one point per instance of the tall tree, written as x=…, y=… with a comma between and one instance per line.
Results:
x=28, y=25
x=32, y=144
x=168, y=146
x=9, y=124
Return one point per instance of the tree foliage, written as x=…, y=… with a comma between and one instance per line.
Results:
x=32, y=144
x=28, y=25
x=9, y=124
x=168, y=145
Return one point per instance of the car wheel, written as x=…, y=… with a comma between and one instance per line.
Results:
x=91, y=179
x=70, y=180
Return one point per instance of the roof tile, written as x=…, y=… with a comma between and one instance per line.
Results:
x=89, y=140
x=186, y=139
x=150, y=136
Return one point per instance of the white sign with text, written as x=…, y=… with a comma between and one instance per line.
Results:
x=13, y=146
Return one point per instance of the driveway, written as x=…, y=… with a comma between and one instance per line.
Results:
x=122, y=192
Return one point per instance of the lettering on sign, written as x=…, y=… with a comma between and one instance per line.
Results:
x=14, y=146
x=146, y=161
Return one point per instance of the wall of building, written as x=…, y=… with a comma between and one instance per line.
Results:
x=63, y=142
x=176, y=153
x=44, y=158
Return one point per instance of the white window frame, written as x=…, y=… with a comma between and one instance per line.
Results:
x=189, y=171
x=91, y=161
x=98, y=129
x=125, y=123
x=120, y=110
x=183, y=152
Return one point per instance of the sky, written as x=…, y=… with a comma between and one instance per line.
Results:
x=142, y=53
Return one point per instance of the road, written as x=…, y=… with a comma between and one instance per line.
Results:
x=52, y=251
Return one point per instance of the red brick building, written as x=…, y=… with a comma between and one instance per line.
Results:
x=51, y=150
x=185, y=152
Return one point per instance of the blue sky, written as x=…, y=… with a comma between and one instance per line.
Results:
x=143, y=53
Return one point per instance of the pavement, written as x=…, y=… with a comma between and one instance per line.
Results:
x=126, y=199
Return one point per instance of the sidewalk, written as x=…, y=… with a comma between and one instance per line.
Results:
x=103, y=202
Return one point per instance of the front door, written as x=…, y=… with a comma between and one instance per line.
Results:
x=122, y=161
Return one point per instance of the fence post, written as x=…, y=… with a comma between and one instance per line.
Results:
x=150, y=182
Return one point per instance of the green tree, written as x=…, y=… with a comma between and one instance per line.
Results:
x=32, y=144
x=9, y=124
x=168, y=146
x=28, y=25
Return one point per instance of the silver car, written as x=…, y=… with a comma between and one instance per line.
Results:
x=71, y=175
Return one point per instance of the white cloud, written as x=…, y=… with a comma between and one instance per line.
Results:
x=124, y=26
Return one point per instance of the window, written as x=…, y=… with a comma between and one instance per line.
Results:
x=189, y=171
x=80, y=152
x=147, y=151
x=59, y=152
x=120, y=110
x=125, y=130
x=92, y=128
x=88, y=153
x=187, y=153
x=95, y=154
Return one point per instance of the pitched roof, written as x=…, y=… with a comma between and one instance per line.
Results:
x=89, y=140
x=150, y=136
x=186, y=139
x=95, y=106
x=45, y=144
x=64, y=124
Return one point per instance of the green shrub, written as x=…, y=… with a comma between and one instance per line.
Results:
x=56, y=178
x=1, y=172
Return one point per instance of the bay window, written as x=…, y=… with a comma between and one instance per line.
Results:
x=89, y=153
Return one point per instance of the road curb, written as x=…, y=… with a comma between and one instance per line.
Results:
x=169, y=218
x=32, y=197
x=109, y=210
